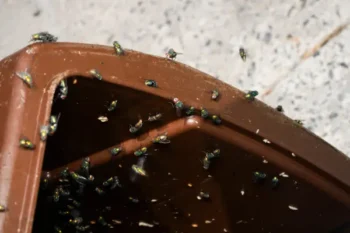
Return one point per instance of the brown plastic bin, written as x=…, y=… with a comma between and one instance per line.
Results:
x=314, y=190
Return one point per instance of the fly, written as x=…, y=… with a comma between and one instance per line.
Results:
x=179, y=106
x=216, y=120
x=115, y=151
x=137, y=127
x=100, y=191
x=250, y=95
x=171, y=54
x=155, y=117
x=141, y=151
x=26, y=78
x=151, y=83
x=259, y=177
x=43, y=37
x=96, y=74
x=85, y=167
x=204, y=113
x=215, y=94
x=26, y=144
x=112, y=182
x=243, y=54
x=53, y=124
x=190, y=111
x=161, y=139
x=118, y=48
x=44, y=131
x=112, y=106
x=63, y=89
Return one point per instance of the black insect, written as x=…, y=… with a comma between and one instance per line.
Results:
x=172, y=54
x=26, y=144
x=250, y=95
x=243, y=54
x=259, y=177
x=44, y=37
x=275, y=182
x=118, y=48
x=115, y=151
x=151, y=83
x=279, y=108
x=112, y=183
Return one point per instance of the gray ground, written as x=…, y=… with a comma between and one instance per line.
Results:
x=275, y=33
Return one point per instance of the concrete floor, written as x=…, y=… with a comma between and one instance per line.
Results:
x=275, y=33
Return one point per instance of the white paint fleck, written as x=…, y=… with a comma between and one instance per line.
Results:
x=115, y=221
x=145, y=224
x=266, y=141
x=292, y=207
x=199, y=198
x=242, y=192
x=257, y=131
x=265, y=161
x=225, y=230
x=154, y=200
x=207, y=221
x=283, y=174
x=293, y=154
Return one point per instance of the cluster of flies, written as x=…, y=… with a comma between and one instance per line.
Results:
x=69, y=179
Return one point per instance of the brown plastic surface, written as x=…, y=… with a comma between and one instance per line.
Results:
x=319, y=177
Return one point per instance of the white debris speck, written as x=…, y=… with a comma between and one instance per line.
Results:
x=225, y=230
x=154, y=200
x=145, y=224
x=242, y=192
x=265, y=161
x=118, y=222
x=266, y=141
x=292, y=207
x=283, y=174
x=257, y=131
x=102, y=118
x=199, y=198
x=207, y=221
x=293, y=154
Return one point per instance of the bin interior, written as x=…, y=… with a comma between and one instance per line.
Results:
x=165, y=198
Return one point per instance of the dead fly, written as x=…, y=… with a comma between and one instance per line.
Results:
x=137, y=127
x=275, y=182
x=45, y=180
x=80, y=179
x=82, y=228
x=204, y=113
x=65, y=173
x=118, y=48
x=64, y=213
x=115, y=151
x=139, y=170
x=58, y=230
x=155, y=117
x=56, y=195
x=190, y=111
x=216, y=120
x=74, y=202
x=53, y=124
x=161, y=139
x=298, y=122
x=279, y=108
x=112, y=106
x=259, y=177
x=103, y=119
x=76, y=221
x=44, y=37
x=85, y=167
x=63, y=89
x=112, y=182
x=179, y=106
x=203, y=195
x=26, y=78
x=44, y=131
x=141, y=151
x=209, y=156
x=102, y=221
x=215, y=94
x=243, y=54
x=63, y=192
x=100, y=191
x=96, y=74
x=250, y=95
x=172, y=54
x=134, y=200
x=2, y=208
x=26, y=144
x=151, y=83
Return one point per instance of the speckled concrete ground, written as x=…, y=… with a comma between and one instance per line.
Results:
x=275, y=33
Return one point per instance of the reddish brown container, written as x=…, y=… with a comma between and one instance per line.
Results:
x=319, y=175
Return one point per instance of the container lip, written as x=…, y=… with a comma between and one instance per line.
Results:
x=50, y=62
